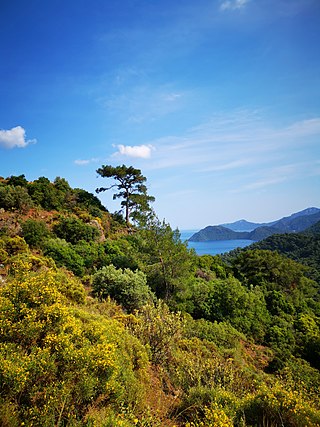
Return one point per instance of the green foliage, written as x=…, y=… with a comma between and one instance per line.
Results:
x=211, y=267
x=128, y=288
x=167, y=261
x=158, y=329
x=64, y=255
x=73, y=230
x=34, y=232
x=274, y=271
x=14, y=245
x=58, y=361
x=276, y=406
x=308, y=338
x=241, y=346
x=15, y=198
x=43, y=193
x=89, y=202
x=93, y=255
x=222, y=334
x=302, y=247
x=131, y=188
x=121, y=253
x=228, y=300
x=19, y=194
x=278, y=304
x=17, y=181
x=290, y=298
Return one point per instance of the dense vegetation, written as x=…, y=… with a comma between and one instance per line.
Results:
x=102, y=324
x=302, y=247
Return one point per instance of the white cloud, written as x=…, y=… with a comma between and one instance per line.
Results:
x=140, y=151
x=233, y=4
x=83, y=162
x=15, y=137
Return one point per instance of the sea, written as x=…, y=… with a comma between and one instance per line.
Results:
x=213, y=247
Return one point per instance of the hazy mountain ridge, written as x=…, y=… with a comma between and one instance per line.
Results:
x=298, y=221
x=243, y=225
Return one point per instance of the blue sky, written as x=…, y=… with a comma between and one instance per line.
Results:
x=217, y=102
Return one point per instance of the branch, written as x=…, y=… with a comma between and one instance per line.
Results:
x=99, y=190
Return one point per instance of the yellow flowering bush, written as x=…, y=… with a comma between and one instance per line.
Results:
x=64, y=281
x=214, y=416
x=279, y=406
x=57, y=360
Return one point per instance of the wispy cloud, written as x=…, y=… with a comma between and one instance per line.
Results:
x=143, y=103
x=271, y=176
x=242, y=150
x=15, y=138
x=236, y=164
x=303, y=128
x=81, y=162
x=84, y=162
x=261, y=184
x=137, y=151
x=233, y=4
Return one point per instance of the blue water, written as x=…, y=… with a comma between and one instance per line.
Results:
x=213, y=247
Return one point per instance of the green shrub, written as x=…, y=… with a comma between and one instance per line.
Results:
x=73, y=230
x=34, y=232
x=15, y=198
x=120, y=253
x=158, y=329
x=128, y=288
x=64, y=255
x=93, y=254
x=14, y=245
x=222, y=334
x=227, y=300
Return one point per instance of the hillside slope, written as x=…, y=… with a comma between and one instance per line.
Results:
x=102, y=325
x=294, y=223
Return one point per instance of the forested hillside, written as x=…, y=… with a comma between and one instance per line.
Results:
x=294, y=223
x=112, y=321
x=303, y=247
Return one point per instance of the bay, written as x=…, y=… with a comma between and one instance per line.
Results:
x=213, y=247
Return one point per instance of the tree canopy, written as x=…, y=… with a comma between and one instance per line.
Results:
x=131, y=187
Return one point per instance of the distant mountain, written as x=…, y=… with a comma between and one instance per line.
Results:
x=242, y=225
x=296, y=223
x=308, y=211
x=216, y=232
x=243, y=229
x=261, y=233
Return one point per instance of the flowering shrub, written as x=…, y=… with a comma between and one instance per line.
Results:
x=214, y=417
x=56, y=360
x=276, y=406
